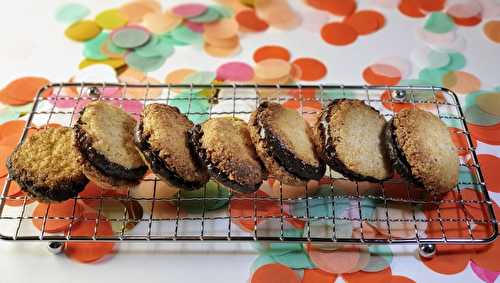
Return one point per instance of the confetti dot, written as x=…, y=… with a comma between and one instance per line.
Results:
x=191, y=103
x=92, y=48
x=366, y=22
x=227, y=43
x=156, y=46
x=489, y=103
x=145, y=64
x=221, y=51
x=338, y=34
x=114, y=63
x=457, y=61
x=311, y=69
x=196, y=27
x=318, y=276
x=189, y=10
x=130, y=36
x=336, y=7
x=313, y=20
x=400, y=229
x=136, y=10
x=210, y=190
x=7, y=113
x=411, y=8
x=402, y=64
x=277, y=14
x=186, y=35
x=340, y=260
x=272, y=68
x=362, y=276
x=492, y=31
x=159, y=23
x=461, y=82
x=274, y=273
x=249, y=20
x=235, y=71
x=431, y=5
x=71, y=12
x=178, y=76
x=466, y=13
x=82, y=30
x=449, y=259
x=271, y=52
x=426, y=57
x=23, y=90
x=385, y=75
x=439, y=23
x=111, y=19
x=224, y=28
x=210, y=15
x=65, y=209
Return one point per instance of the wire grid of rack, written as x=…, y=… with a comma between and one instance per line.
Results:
x=240, y=101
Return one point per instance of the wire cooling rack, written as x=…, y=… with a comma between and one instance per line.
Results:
x=402, y=215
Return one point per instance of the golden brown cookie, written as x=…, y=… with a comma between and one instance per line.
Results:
x=105, y=137
x=421, y=150
x=224, y=146
x=47, y=166
x=161, y=137
x=283, y=141
x=349, y=135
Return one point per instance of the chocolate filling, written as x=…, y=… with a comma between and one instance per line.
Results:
x=283, y=156
x=158, y=165
x=195, y=135
x=329, y=150
x=100, y=162
x=397, y=156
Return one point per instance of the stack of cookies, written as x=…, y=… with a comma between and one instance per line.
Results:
x=107, y=146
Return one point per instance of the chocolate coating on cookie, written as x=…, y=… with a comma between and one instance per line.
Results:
x=47, y=166
x=283, y=141
x=161, y=137
x=224, y=146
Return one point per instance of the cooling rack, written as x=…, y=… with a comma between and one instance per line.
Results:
x=390, y=212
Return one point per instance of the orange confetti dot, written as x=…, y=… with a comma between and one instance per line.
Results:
x=178, y=76
x=487, y=134
x=271, y=52
x=400, y=279
x=224, y=28
x=468, y=22
x=270, y=69
x=378, y=79
x=366, y=22
x=487, y=257
x=372, y=277
x=461, y=82
x=410, y=8
x=338, y=33
x=459, y=140
x=21, y=199
x=23, y=90
x=492, y=31
x=248, y=20
x=449, y=259
x=64, y=209
x=5, y=151
x=275, y=273
x=337, y=7
x=311, y=69
x=318, y=276
x=14, y=188
x=221, y=52
x=431, y=5
x=490, y=165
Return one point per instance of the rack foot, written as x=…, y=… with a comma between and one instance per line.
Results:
x=399, y=94
x=55, y=247
x=427, y=250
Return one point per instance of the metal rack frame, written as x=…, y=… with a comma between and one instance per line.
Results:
x=370, y=94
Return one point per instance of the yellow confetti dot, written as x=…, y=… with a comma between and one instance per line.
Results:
x=82, y=30
x=111, y=19
x=114, y=63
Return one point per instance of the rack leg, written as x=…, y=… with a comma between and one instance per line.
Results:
x=55, y=247
x=427, y=250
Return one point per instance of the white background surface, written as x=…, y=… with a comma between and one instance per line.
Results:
x=33, y=43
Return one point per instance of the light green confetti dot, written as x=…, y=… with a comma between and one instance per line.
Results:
x=203, y=77
x=332, y=94
x=156, y=46
x=223, y=11
x=71, y=13
x=145, y=64
x=196, y=104
x=92, y=48
x=260, y=261
x=184, y=34
x=432, y=76
x=210, y=15
x=293, y=259
x=7, y=114
x=23, y=108
x=167, y=37
x=211, y=190
x=439, y=23
x=457, y=62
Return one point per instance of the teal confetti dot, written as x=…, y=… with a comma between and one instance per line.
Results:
x=380, y=258
x=203, y=77
x=223, y=11
x=211, y=190
x=211, y=14
x=333, y=94
x=71, y=13
x=145, y=64
x=293, y=259
x=451, y=122
x=92, y=48
x=277, y=247
x=457, y=61
x=157, y=46
x=114, y=48
x=260, y=261
x=167, y=37
x=432, y=76
x=473, y=114
x=439, y=23
x=194, y=103
x=184, y=34
x=8, y=114
x=466, y=178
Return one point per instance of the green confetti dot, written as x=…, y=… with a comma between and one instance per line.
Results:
x=457, y=62
x=211, y=190
x=194, y=103
x=184, y=34
x=439, y=23
x=71, y=13
x=210, y=15
x=223, y=11
x=145, y=64
x=7, y=114
x=92, y=48
x=156, y=46
x=432, y=76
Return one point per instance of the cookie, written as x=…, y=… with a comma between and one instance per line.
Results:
x=161, y=137
x=104, y=135
x=349, y=136
x=283, y=141
x=421, y=150
x=224, y=146
x=47, y=166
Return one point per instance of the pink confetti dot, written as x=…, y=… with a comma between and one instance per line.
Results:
x=196, y=27
x=235, y=71
x=189, y=10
